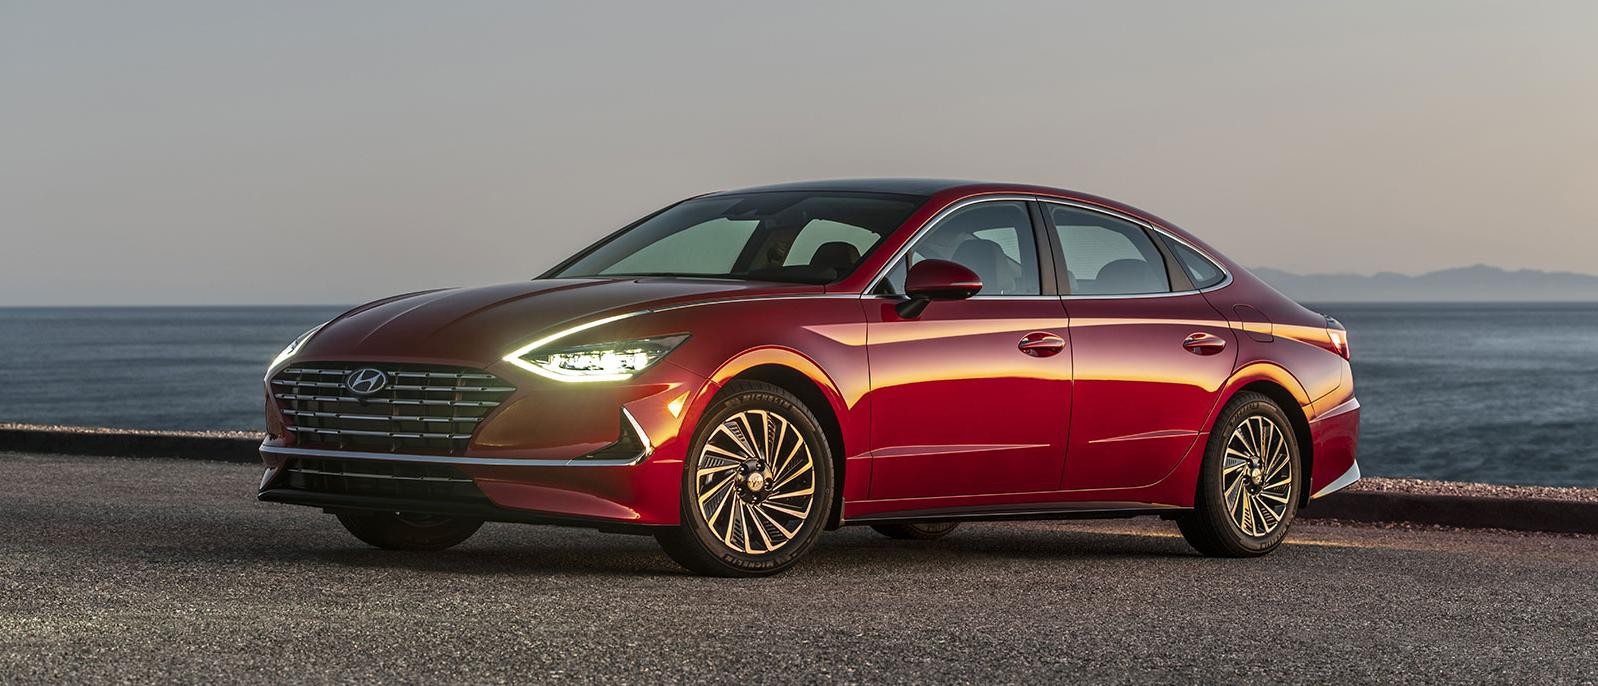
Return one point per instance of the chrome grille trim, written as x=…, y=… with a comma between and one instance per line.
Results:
x=423, y=409
x=340, y=372
x=387, y=401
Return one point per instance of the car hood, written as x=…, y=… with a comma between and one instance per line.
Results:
x=477, y=326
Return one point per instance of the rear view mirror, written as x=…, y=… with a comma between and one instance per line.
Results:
x=931, y=280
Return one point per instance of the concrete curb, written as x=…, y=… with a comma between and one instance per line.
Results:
x=1471, y=512
x=112, y=443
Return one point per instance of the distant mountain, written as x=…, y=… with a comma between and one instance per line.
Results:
x=1475, y=283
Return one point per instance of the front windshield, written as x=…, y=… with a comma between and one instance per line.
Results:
x=790, y=236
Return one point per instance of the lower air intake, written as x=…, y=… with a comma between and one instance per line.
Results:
x=382, y=479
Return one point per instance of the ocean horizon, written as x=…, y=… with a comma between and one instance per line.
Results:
x=1492, y=392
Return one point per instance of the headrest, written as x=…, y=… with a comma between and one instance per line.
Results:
x=984, y=257
x=1127, y=276
x=835, y=255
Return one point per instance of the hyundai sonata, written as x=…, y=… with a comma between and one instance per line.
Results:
x=742, y=370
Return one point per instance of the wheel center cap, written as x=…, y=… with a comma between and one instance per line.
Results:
x=755, y=481
x=1255, y=475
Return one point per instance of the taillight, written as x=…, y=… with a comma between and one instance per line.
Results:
x=1338, y=336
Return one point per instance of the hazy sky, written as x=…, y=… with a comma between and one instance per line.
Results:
x=332, y=152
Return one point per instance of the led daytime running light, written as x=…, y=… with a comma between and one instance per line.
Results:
x=606, y=361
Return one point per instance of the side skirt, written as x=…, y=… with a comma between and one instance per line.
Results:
x=1081, y=510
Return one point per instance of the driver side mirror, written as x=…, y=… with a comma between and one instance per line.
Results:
x=931, y=280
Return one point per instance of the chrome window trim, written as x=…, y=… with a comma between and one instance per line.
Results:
x=1151, y=227
x=888, y=296
x=920, y=233
x=882, y=273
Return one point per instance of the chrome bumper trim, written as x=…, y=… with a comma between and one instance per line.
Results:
x=440, y=459
x=649, y=449
x=649, y=445
x=1339, y=483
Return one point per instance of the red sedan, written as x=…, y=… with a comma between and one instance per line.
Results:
x=742, y=370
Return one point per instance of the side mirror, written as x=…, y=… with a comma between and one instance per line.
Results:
x=931, y=280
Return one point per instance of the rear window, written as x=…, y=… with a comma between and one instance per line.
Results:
x=1199, y=268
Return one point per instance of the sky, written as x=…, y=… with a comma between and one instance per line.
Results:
x=334, y=152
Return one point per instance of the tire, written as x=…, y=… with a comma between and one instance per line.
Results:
x=1235, y=510
x=916, y=531
x=402, y=531
x=721, y=493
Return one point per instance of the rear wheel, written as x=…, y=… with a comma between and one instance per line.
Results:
x=757, y=485
x=409, y=531
x=1249, y=483
x=916, y=531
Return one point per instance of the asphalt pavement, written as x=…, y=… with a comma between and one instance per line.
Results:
x=136, y=570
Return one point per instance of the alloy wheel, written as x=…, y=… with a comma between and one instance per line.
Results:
x=1256, y=478
x=755, y=483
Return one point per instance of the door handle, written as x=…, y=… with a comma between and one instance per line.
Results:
x=1201, y=343
x=1039, y=344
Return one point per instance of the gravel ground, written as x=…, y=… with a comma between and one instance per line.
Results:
x=1428, y=487
x=255, y=436
x=137, y=570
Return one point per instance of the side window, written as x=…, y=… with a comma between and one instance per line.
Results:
x=1199, y=268
x=1107, y=256
x=707, y=248
x=993, y=239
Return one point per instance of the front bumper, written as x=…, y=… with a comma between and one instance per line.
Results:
x=484, y=511
x=551, y=453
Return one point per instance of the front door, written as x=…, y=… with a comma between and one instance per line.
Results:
x=958, y=408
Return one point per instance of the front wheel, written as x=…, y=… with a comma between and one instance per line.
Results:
x=757, y=485
x=1249, y=483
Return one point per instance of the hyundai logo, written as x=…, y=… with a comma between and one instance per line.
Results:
x=366, y=381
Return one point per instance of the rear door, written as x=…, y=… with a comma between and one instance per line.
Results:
x=957, y=408
x=1150, y=353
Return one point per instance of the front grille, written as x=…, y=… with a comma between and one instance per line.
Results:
x=424, y=409
x=379, y=478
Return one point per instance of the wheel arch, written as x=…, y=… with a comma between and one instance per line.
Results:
x=802, y=377
x=1282, y=388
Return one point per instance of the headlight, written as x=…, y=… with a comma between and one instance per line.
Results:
x=293, y=347
x=611, y=361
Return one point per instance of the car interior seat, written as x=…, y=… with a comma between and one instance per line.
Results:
x=988, y=260
x=1128, y=276
x=837, y=256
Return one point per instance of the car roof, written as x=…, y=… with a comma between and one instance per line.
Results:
x=953, y=189
x=922, y=187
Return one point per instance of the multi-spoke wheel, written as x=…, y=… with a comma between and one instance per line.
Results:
x=757, y=487
x=1249, y=483
x=756, y=481
x=1255, y=480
